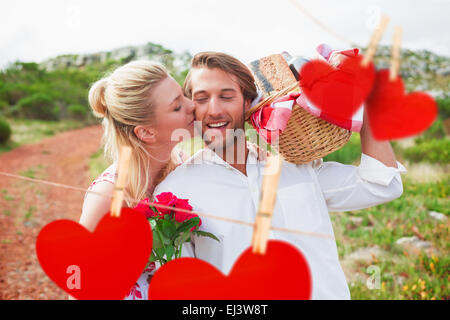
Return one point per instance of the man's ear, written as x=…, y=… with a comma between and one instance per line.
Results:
x=247, y=105
x=145, y=134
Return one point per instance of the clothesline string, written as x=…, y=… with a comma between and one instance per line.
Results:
x=322, y=25
x=60, y=185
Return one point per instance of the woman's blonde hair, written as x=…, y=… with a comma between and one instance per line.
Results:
x=123, y=100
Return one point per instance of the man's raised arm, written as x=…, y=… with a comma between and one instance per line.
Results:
x=375, y=181
x=380, y=150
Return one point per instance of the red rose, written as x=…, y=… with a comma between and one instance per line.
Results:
x=166, y=199
x=183, y=216
x=144, y=207
x=183, y=204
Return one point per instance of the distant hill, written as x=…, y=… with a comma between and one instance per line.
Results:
x=421, y=70
x=177, y=63
x=58, y=87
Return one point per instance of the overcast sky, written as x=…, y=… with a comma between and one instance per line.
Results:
x=37, y=30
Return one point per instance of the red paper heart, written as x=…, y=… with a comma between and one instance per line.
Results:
x=281, y=274
x=340, y=92
x=394, y=115
x=104, y=264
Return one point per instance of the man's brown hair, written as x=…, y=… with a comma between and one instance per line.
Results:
x=228, y=64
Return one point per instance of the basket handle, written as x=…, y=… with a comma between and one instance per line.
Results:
x=294, y=87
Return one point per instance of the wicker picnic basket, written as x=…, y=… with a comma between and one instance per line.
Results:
x=306, y=137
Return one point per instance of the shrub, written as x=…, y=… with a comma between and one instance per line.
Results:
x=77, y=111
x=38, y=106
x=435, y=131
x=3, y=106
x=349, y=153
x=5, y=131
x=430, y=151
x=11, y=111
x=444, y=107
x=12, y=92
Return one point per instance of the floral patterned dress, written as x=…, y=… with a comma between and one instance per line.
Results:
x=140, y=289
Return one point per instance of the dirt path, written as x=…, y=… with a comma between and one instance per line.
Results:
x=25, y=207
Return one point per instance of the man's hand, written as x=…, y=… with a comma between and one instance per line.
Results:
x=380, y=150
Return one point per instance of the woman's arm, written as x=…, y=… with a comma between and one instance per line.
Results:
x=95, y=207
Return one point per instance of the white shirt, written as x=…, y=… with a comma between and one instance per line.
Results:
x=305, y=195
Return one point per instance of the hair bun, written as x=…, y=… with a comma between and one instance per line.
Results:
x=97, y=98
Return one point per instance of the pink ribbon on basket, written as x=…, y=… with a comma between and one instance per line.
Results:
x=270, y=120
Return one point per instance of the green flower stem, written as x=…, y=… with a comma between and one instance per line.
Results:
x=162, y=242
x=159, y=258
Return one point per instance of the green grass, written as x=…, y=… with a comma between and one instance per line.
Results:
x=35, y=172
x=29, y=213
x=432, y=151
x=26, y=131
x=97, y=164
x=8, y=146
x=8, y=197
x=30, y=173
x=425, y=274
x=348, y=154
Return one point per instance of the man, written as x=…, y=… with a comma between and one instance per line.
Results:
x=216, y=181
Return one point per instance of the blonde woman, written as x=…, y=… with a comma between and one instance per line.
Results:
x=141, y=106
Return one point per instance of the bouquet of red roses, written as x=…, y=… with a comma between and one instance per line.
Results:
x=171, y=227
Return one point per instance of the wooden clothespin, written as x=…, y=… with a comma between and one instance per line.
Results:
x=395, y=53
x=370, y=53
x=267, y=200
x=122, y=171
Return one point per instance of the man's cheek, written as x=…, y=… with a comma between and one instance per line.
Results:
x=199, y=112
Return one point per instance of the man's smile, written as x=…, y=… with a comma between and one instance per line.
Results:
x=218, y=125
